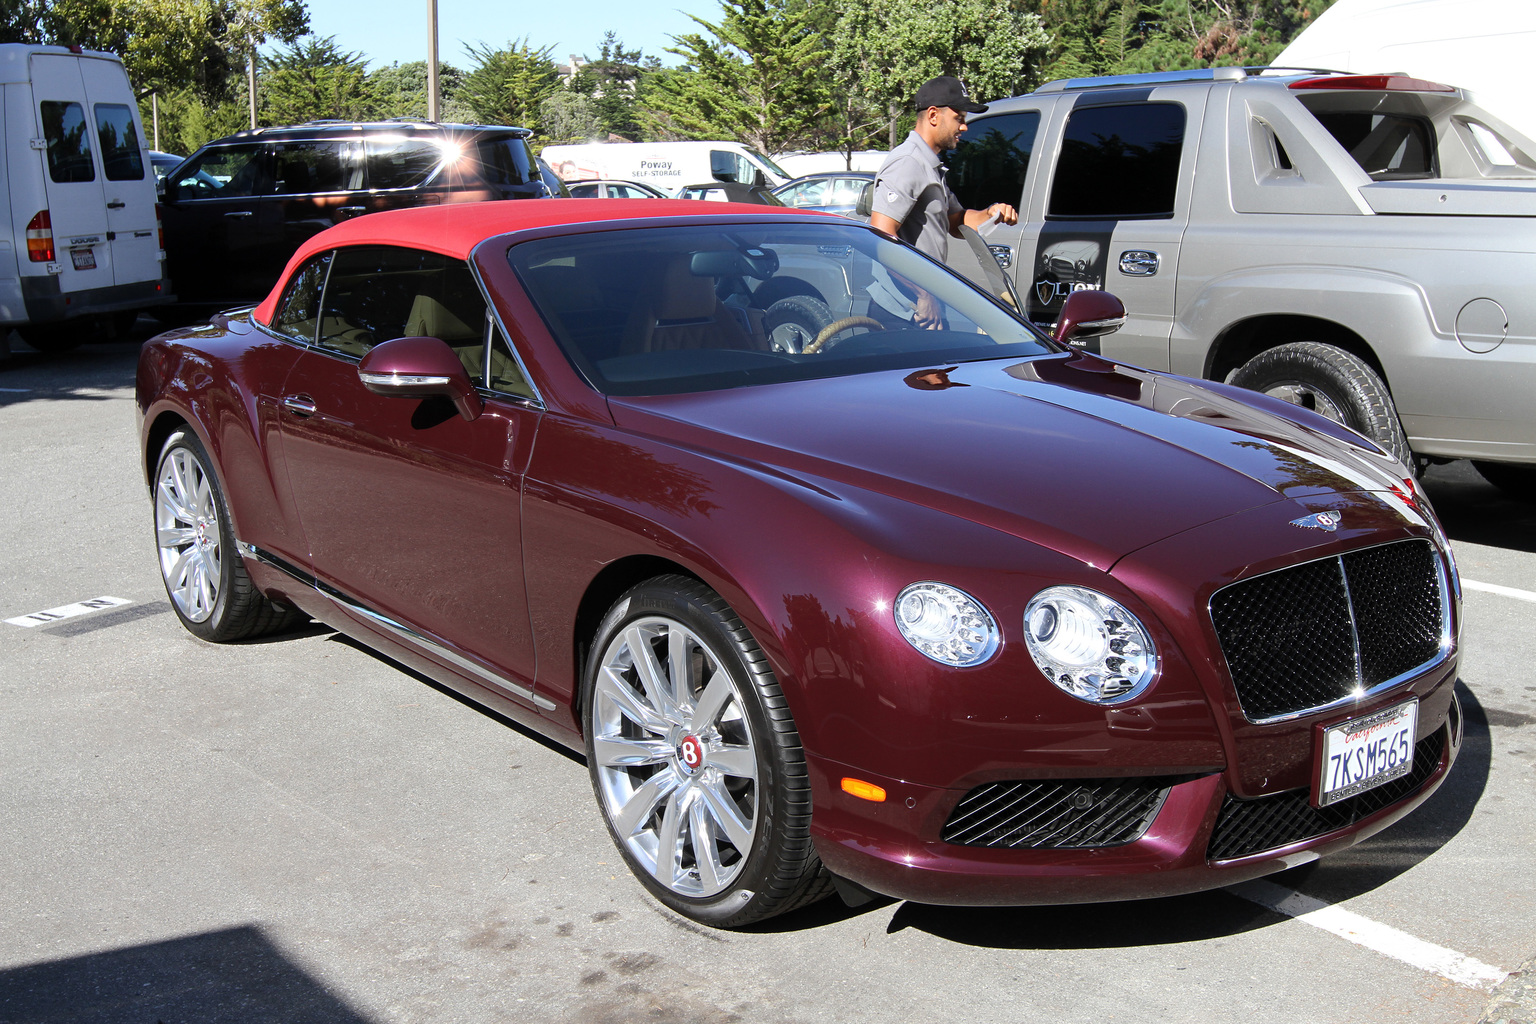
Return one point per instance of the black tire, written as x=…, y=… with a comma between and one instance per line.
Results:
x=1332, y=382
x=794, y=321
x=1515, y=479
x=55, y=338
x=668, y=764
x=203, y=572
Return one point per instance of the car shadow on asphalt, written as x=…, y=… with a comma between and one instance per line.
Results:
x=1474, y=511
x=229, y=974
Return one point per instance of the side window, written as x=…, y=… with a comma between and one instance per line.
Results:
x=1119, y=162
x=993, y=159
x=377, y=292
x=304, y=168
x=506, y=374
x=69, y=144
x=298, y=311
x=400, y=163
x=505, y=161
x=228, y=172
x=120, y=153
x=1387, y=146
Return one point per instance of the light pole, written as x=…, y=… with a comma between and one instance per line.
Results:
x=432, y=110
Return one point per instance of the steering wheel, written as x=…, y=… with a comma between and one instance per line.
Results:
x=837, y=327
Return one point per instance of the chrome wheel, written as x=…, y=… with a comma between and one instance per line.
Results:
x=675, y=758
x=1309, y=397
x=188, y=535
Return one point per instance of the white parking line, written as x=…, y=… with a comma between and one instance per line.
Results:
x=68, y=611
x=1494, y=588
x=17, y=391
x=1384, y=939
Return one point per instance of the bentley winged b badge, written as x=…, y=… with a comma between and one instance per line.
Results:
x=1329, y=521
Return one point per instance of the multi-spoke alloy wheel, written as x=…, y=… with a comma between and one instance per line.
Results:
x=187, y=532
x=204, y=575
x=702, y=786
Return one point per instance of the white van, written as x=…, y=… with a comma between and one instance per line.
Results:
x=84, y=250
x=665, y=165
x=1479, y=46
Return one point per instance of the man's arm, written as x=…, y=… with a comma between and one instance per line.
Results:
x=881, y=222
x=976, y=218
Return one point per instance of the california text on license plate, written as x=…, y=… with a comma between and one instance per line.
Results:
x=84, y=259
x=1363, y=753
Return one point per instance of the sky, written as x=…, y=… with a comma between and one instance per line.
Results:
x=396, y=30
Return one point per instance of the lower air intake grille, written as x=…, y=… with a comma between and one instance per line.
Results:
x=1055, y=814
x=1252, y=826
x=1305, y=637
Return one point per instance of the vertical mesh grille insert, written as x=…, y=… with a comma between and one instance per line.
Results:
x=1304, y=637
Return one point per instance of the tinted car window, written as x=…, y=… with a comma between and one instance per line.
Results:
x=506, y=373
x=375, y=293
x=401, y=163
x=69, y=145
x=1119, y=161
x=1387, y=146
x=298, y=312
x=301, y=168
x=120, y=154
x=225, y=172
x=993, y=159
x=505, y=161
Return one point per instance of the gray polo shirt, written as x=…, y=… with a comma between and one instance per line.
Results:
x=910, y=189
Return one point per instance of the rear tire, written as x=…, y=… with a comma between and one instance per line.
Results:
x=1333, y=383
x=695, y=760
x=1515, y=479
x=203, y=572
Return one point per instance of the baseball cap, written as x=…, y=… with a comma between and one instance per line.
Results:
x=945, y=91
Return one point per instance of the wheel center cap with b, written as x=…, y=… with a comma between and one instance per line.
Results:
x=690, y=754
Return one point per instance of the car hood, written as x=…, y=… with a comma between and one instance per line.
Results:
x=1089, y=457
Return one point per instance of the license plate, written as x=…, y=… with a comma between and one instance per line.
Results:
x=84, y=259
x=1364, y=753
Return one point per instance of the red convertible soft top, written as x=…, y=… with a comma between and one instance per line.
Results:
x=455, y=229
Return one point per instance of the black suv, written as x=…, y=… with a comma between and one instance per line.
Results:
x=237, y=208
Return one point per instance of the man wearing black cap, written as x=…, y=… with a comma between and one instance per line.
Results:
x=912, y=202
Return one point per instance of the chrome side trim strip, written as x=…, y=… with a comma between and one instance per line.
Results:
x=404, y=632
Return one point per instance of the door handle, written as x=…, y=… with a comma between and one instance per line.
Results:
x=350, y=211
x=1004, y=254
x=239, y=213
x=116, y=204
x=300, y=405
x=1139, y=263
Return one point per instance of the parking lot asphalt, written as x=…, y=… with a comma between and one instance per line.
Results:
x=299, y=830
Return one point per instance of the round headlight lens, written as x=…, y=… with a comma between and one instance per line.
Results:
x=1089, y=645
x=945, y=624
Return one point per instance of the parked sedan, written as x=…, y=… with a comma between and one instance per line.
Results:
x=963, y=616
x=612, y=188
x=730, y=192
x=836, y=192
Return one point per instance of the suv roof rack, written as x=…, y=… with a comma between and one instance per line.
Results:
x=1221, y=74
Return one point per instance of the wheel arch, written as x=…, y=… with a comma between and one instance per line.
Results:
x=1243, y=340
x=156, y=434
x=778, y=288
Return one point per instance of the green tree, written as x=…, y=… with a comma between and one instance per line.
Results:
x=612, y=82
x=400, y=90
x=310, y=80
x=187, y=120
x=752, y=77
x=887, y=48
x=569, y=116
x=508, y=85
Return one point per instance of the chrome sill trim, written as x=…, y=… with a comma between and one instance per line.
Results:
x=400, y=630
x=1447, y=638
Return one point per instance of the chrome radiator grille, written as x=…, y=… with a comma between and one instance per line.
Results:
x=1322, y=632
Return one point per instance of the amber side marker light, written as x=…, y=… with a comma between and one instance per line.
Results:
x=864, y=790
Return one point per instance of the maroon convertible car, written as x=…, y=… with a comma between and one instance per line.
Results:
x=962, y=616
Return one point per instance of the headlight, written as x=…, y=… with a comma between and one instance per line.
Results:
x=1089, y=645
x=948, y=625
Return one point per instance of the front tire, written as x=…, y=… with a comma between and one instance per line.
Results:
x=694, y=758
x=203, y=572
x=1333, y=383
x=794, y=321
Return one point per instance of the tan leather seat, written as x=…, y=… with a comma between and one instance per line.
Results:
x=683, y=312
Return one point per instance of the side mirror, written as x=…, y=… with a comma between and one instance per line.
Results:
x=1089, y=314
x=866, y=204
x=419, y=368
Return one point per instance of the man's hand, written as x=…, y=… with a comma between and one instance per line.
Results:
x=1003, y=212
x=928, y=315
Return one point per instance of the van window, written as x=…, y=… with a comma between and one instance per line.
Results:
x=1119, y=161
x=225, y=172
x=69, y=146
x=727, y=166
x=304, y=168
x=993, y=160
x=505, y=161
x=400, y=163
x=120, y=153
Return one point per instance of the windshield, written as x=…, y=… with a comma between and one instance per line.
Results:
x=666, y=310
x=775, y=168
